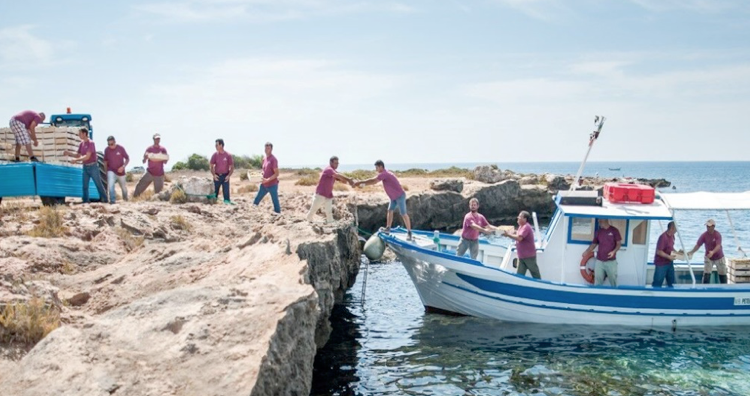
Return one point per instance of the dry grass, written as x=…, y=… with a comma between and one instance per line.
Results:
x=453, y=171
x=309, y=180
x=340, y=187
x=405, y=187
x=50, y=223
x=68, y=268
x=360, y=174
x=131, y=241
x=308, y=172
x=27, y=322
x=250, y=188
x=244, y=176
x=129, y=177
x=147, y=195
x=181, y=223
x=178, y=197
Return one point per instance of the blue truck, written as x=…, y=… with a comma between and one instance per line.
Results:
x=52, y=183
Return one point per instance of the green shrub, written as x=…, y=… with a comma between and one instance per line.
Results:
x=50, y=223
x=198, y=162
x=178, y=197
x=179, y=166
x=308, y=180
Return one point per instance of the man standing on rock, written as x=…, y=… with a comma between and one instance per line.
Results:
x=324, y=192
x=86, y=155
x=156, y=156
x=525, y=246
x=395, y=193
x=474, y=223
x=711, y=239
x=24, y=126
x=609, y=241
x=270, y=182
x=115, y=160
x=222, y=167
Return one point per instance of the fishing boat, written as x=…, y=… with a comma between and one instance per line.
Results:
x=614, y=169
x=489, y=287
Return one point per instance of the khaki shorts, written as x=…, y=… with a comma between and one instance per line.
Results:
x=721, y=265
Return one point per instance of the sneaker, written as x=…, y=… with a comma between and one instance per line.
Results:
x=228, y=202
x=33, y=159
x=409, y=237
x=18, y=159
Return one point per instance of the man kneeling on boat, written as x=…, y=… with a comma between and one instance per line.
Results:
x=609, y=241
x=474, y=223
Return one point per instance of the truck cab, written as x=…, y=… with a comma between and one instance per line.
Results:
x=72, y=120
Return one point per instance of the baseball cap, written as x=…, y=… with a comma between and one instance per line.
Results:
x=710, y=222
x=157, y=136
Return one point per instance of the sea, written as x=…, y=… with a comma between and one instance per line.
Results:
x=384, y=343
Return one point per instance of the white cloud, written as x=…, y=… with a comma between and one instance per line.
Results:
x=20, y=48
x=263, y=10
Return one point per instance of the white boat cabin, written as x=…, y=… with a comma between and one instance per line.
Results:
x=572, y=228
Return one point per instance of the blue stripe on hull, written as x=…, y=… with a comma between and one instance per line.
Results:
x=605, y=300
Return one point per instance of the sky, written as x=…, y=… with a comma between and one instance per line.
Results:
x=405, y=81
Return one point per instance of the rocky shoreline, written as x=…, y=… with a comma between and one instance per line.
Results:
x=159, y=298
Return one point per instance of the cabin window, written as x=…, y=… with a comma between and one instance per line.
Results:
x=581, y=230
x=639, y=234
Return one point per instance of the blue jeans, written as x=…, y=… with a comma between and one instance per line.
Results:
x=91, y=171
x=274, y=191
x=399, y=202
x=112, y=180
x=223, y=182
x=664, y=271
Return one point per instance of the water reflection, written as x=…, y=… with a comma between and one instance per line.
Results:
x=391, y=347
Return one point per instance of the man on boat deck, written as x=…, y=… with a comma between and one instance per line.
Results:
x=711, y=239
x=525, y=246
x=609, y=241
x=664, y=257
x=395, y=193
x=474, y=223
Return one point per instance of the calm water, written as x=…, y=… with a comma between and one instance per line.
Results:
x=390, y=346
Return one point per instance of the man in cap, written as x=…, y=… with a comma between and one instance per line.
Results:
x=711, y=239
x=24, y=126
x=115, y=160
x=156, y=156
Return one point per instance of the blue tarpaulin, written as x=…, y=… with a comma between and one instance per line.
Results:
x=44, y=180
x=17, y=180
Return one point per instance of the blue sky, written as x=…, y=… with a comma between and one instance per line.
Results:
x=404, y=81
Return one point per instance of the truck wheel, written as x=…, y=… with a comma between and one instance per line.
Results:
x=102, y=173
x=52, y=201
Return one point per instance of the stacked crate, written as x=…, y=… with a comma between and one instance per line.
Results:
x=53, y=141
x=739, y=270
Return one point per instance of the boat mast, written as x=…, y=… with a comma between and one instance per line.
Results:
x=599, y=122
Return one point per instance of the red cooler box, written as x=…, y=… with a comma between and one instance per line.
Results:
x=624, y=192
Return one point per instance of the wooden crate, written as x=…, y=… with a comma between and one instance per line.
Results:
x=738, y=270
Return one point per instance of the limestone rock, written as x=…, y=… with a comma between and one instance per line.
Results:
x=447, y=185
x=556, y=183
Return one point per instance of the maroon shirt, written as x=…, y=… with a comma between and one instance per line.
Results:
x=710, y=242
x=27, y=117
x=666, y=245
x=156, y=168
x=88, y=147
x=222, y=162
x=270, y=163
x=607, y=240
x=526, y=247
x=115, y=158
x=469, y=233
x=325, y=184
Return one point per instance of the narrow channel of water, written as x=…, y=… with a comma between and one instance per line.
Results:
x=390, y=346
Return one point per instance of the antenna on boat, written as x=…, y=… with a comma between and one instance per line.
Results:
x=599, y=123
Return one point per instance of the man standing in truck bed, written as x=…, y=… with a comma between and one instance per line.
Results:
x=24, y=126
x=156, y=156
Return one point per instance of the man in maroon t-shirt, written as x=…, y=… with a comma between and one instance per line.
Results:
x=609, y=241
x=222, y=167
x=86, y=155
x=525, y=246
x=324, y=192
x=664, y=257
x=474, y=223
x=23, y=125
x=269, y=184
x=115, y=160
x=714, y=253
x=156, y=156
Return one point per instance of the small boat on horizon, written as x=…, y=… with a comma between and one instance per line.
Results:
x=614, y=169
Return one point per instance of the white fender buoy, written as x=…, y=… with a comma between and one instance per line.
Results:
x=374, y=248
